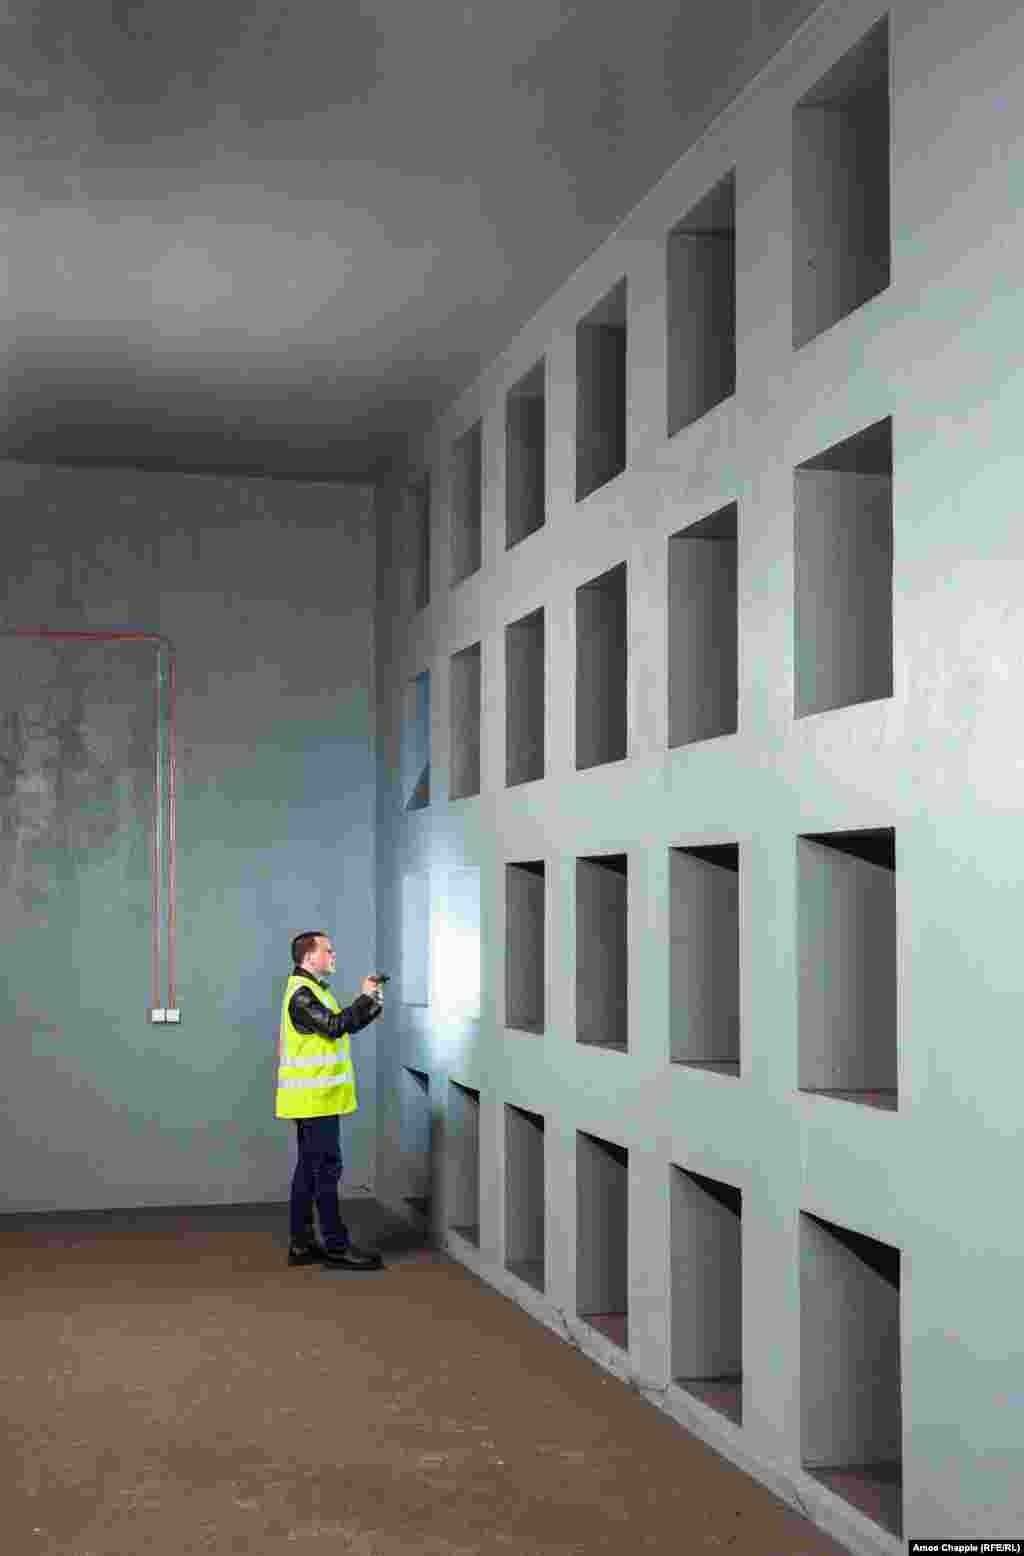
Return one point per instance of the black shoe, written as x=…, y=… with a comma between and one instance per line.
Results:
x=352, y=1258
x=304, y=1253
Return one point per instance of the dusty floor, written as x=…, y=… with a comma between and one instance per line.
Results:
x=171, y=1386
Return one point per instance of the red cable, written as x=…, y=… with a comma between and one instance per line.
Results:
x=158, y=638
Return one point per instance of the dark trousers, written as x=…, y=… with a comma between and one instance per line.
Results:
x=316, y=1178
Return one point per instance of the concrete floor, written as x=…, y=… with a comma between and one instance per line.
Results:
x=170, y=1386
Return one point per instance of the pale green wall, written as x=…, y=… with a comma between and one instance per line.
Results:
x=266, y=589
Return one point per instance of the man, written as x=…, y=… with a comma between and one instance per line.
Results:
x=315, y=1085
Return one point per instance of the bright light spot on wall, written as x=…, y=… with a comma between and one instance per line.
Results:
x=457, y=989
x=457, y=979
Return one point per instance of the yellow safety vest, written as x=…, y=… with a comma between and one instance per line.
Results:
x=315, y=1078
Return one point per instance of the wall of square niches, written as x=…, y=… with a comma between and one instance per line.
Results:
x=707, y=660
x=841, y=609
x=841, y=248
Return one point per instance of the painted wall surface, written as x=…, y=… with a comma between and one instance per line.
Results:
x=941, y=761
x=265, y=588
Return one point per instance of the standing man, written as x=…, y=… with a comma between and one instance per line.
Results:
x=315, y=1085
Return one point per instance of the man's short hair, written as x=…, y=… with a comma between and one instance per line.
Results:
x=303, y=944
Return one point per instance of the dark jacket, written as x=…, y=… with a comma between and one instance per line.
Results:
x=309, y=1015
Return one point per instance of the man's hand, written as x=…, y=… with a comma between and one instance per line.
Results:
x=371, y=986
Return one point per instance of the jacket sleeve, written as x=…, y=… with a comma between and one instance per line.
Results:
x=310, y=1015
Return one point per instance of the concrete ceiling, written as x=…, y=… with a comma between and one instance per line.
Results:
x=280, y=238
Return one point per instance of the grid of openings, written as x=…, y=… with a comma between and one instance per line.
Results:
x=704, y=966
x=847, y=1003
x=467, y=504
x=602, y=1006
x=843, y=622
x=703, y=629
x=841, y=219
x=701, y=304
x=602, y=1236
x=415, y=1136
x=525, y=435
x=601, y=669
x=421, y=553
x=601, y=393
x=524, y=699
x=524, y=940
x=850, y=1399
x=464, y=778
x=416, y=743
x=524, y=1195
x=707, y=1307
x=850, y=1392
x=464, y=1162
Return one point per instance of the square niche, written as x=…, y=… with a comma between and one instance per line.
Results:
x=463, y=1152
x=602, y=1004
x=847, y=1005
x=602, y=1236
x=524, y=699
x=842, y=241
x=843, y=574
x=851, y=1408
x=704, y=968
x=524, y=1195
x=525, y=442
x=467, y=504
x=701, y=300
x=703, y=629
x=601, y=393
x=524, y=956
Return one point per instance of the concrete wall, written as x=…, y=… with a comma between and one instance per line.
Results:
x=263, y=587
x=938, y=756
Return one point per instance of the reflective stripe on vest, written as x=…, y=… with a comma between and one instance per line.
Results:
x=315, y=1077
